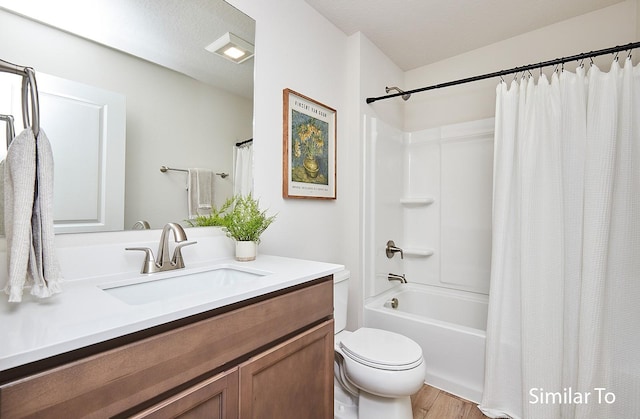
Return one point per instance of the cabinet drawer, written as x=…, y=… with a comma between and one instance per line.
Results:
x=116, y=380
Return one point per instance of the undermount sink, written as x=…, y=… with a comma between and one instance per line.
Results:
x=164, y=286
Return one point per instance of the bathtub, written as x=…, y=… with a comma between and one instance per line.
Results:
x=450, y=327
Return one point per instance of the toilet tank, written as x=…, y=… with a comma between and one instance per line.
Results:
x=340, y=297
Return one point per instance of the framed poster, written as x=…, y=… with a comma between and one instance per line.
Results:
x=309, y=148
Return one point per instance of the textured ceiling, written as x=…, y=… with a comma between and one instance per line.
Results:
x=170, y=33
x=414, y=33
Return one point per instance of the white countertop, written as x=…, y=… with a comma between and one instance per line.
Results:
x=84, y=314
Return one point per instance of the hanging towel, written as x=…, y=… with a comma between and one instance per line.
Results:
x=200, y=192
x=2, y=232
x=28, y=188
x=243, y=180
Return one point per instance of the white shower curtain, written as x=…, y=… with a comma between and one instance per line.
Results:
x=243, y=177
x=563, y=336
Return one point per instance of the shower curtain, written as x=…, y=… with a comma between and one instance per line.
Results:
x=243, y=176
x=563, y=335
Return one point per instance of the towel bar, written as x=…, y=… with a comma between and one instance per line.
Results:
x=164, y=169
x=28, y=86
x=11, y=132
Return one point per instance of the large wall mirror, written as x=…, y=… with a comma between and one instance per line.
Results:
x=186, y=107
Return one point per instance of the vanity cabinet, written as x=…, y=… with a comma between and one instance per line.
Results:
x=271, y=356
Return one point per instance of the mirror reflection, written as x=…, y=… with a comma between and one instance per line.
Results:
x=184, y=106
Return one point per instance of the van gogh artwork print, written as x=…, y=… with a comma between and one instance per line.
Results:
x=309, y=144
x=310, y=158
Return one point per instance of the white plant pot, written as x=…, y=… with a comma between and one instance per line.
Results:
x=246, y=251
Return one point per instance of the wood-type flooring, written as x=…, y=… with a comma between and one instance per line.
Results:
x=431, y=403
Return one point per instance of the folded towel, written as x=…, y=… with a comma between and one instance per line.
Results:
x=200, y=192
x=28, y=188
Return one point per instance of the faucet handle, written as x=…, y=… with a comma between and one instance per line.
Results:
x=177, y=254
x=392, y=249
x=149, y=264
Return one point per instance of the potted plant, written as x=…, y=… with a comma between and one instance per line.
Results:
x=217, y=218
x=245, y=223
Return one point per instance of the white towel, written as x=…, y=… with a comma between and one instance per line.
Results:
x=2, y=198
x=28, y=188
x=200, y=192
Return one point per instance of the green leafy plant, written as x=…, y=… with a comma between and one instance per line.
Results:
x=246, y=222
x=217, y=218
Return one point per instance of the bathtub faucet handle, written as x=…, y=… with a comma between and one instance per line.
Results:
x=396, y=277
x=392, y=249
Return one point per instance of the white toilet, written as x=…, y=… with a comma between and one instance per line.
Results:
x=376, y=371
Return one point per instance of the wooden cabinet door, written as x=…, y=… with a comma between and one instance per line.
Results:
x=214, y=398
x=291, y=380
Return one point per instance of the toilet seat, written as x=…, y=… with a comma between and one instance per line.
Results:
x=382, y=349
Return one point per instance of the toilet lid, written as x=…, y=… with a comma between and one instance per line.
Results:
x=382, y=349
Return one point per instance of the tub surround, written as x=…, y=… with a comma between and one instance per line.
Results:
x=84, y=314
x=432, y=196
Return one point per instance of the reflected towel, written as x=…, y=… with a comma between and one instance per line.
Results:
x=2, y=232
x=28, y=188
x=200, y=192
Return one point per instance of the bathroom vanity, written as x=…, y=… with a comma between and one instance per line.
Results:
x=259, y=348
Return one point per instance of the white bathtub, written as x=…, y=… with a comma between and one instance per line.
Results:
x=450, y=327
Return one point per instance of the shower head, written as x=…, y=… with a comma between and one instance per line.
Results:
x=405, y=96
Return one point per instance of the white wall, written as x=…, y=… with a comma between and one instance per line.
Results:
x=172, y=119
x=614, y=25
x=297, y=48
x=637, y=19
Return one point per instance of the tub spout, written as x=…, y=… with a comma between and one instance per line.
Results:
x=396, y=277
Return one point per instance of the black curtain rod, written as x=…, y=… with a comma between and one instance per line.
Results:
x=250, y=140
x=556, y=61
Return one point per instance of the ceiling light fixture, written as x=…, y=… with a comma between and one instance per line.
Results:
x=232, y=47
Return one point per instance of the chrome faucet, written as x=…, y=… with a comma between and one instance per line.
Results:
x=141, y=225
x=392, y=249
x=396, y=277
x=164, y=262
